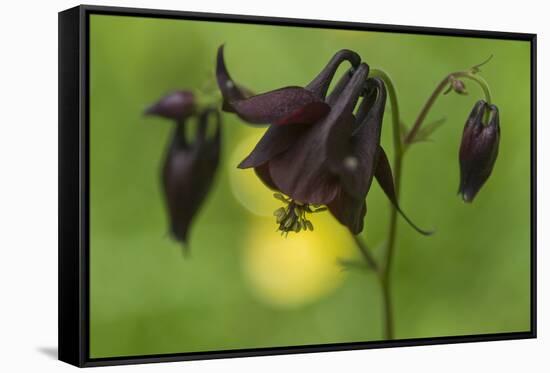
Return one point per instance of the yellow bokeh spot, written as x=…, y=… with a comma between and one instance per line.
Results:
x=245, y=185
x=300, y=268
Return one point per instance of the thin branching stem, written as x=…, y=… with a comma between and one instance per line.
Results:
x=437, y=92
x=366, y=252
x=384, y=269
x=401, y=143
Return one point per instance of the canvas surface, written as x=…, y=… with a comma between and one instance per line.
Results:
x=244, y=286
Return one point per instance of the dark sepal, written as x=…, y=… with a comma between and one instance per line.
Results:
x=349, y=211
x=383, y=175
x=357, y=161
x=228, y=87
x=305, y=170
x=284, y=106
x=320, y=84
x=275, y=140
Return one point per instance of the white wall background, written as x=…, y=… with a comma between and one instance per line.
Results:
x=28, y=184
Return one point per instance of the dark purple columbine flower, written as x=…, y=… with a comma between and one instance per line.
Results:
x=319, y=151
x=190, y=163
x=284, y=106
x=178, y=105
x=478, y=149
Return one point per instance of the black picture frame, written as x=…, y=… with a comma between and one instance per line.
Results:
x=74, y=187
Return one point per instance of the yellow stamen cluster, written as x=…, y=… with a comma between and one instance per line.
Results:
x=292, y=217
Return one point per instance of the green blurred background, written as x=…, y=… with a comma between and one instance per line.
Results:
x=244, y=286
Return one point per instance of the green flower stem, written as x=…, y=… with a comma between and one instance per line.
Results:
x=437, y=92
x=380, y=273
x=385, y=279
x=365, y=251
x=480, y=81
x=385, y=269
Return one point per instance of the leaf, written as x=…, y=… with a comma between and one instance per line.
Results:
x=351, y=264
x=423, y=135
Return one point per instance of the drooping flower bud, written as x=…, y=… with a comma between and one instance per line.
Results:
x=178, y=105
x=189, y=171
x=190, y=162
x=459, y=87
x=478, y=149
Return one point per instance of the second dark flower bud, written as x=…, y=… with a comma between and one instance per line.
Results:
x=478, y=149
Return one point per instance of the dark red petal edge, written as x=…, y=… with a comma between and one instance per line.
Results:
x=275, y=140
x=283, y=106
x=263, y=174
x=230, y=90
x=349, y=212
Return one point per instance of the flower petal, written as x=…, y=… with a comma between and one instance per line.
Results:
x=230, y=90
x=275, y=140
x=284, y=106
x=263, y=174
x=354, y=161
x=302, y=172
x=320, y=84
x=342, y=83
x=349, y=211
x=290, y=105
x=314, y=187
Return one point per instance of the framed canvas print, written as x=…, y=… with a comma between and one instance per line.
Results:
x=237, y=186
